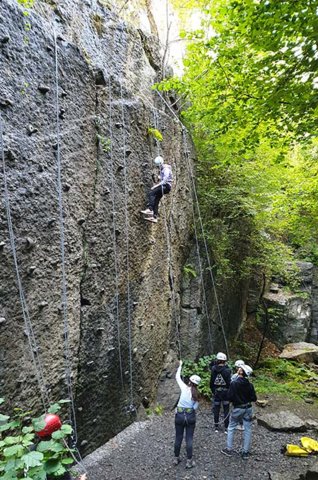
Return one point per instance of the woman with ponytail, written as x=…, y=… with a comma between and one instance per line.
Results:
x=185, y=415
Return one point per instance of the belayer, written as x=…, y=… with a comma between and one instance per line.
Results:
x=185, y=417
x=158, y=190
x=220, y=383
x=241, y=393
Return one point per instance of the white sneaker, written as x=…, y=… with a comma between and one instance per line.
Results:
x=151, y=219
x=147, y=211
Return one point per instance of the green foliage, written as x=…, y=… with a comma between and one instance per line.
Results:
x=155, y=133
x=190, y=271
x=104, y=142
x=201, y=368
x=287, y=378
x=250, y=87
x=26, y=3
x=157, y=410
x=23, y=455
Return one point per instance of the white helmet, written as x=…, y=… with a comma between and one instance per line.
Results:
x=221, y=356
x=239, y=363
x=159, y=160
x=195, y=379
x=247, y=370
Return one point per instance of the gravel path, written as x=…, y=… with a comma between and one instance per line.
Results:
x=144, y=451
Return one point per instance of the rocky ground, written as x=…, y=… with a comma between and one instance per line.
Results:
x=145, y=451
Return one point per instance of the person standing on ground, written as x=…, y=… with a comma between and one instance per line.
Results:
x=220, y=383
x=241, y=394
x=185, y=417
x=234, y=377
x=158, y=190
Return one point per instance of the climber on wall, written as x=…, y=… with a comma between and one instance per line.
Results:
x=158, y=190
x=220, y=383
x=185, y=417
x=241, y=393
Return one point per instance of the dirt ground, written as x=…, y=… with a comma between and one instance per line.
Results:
x=144, y=450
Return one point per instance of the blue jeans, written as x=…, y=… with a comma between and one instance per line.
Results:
x=220, y=398
x=237, y=415
x=184, y=421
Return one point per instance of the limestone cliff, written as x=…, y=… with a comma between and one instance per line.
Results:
x=122, y=290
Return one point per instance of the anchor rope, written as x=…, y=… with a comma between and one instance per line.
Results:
x=25, y=312
x=202, y=231
x=126, y=193
x=116, y=266
x=170, y=256
x=68, y=374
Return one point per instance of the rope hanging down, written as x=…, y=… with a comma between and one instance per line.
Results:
x=62, y=249
x=131, y=406
x=169, y=250
x=114, y=231
x=202, y=232
x=25, y=312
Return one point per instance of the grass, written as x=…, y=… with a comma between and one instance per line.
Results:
x=286, y=378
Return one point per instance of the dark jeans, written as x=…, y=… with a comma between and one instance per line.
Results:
x=184, y=421
x=155, y=196
x=220, y=397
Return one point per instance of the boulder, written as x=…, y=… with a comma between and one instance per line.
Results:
x=282, y=476
x=301, y=351
x=283, y=421
x=312, y=472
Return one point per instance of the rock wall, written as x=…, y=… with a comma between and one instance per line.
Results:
x=122, y=288
x=290, y=309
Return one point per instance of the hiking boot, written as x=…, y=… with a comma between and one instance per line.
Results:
x=151, y=219
x=176, y=461
x=190, y=463
x=227, y=451
x=147, y=211
x=245, y=455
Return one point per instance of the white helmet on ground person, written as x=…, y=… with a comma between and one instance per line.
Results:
x=221, y=356
x=159, y=160
x=247, y=370
x=195, y=379
x=239, y=363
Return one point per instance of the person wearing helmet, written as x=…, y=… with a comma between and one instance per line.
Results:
x=237, y=365
x=241, y=393
x=185, y=417
x=158, y=190
x=234, y=377
x=220, y=383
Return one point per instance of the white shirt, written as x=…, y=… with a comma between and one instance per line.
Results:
x=185, y=400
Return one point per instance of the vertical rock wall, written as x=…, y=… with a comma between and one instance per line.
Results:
x=120, y=306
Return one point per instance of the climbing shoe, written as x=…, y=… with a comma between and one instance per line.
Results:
x=245, y=455
x=176, y=461
x=190, y=463
x=227, y=451
x=147, y=211
x=151, y=219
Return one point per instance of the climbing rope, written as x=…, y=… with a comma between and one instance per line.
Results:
x=33, y=347
x=123, y=120
x=202, y=229
x=62, y=248
x=116, y=267
x=170, y=259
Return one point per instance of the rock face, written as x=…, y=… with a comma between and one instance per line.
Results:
x=282, y=421
x=302, y=352
x=90, y=106
x=290, y=313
